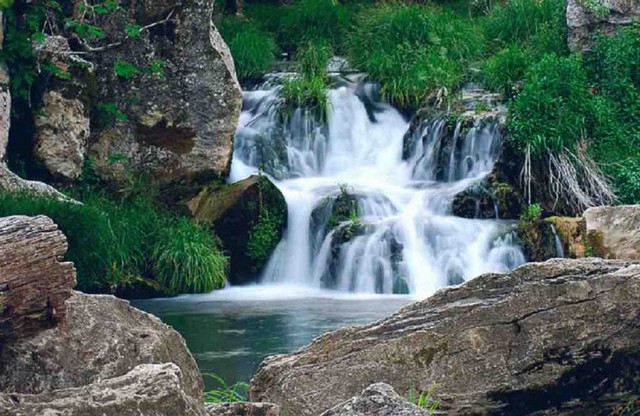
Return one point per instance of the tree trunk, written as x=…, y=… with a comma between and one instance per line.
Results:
x=34, y=283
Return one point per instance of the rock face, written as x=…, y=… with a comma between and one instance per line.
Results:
x=34, y=283
x=614, y=232
x=243, y=409
x=377, y=400
x=61, y=138
x=103, y=337
x=147, y=390
x=249, y=216
x=559, y=337
x=587, y=18
x=174, y=120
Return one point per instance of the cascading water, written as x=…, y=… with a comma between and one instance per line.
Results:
x=369, y=208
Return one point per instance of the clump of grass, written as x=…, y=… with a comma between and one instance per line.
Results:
x=253, y=50
x=426, y=399
x=186, y=259
x=225, y=393
x=413, y=50
x=504, y=71
x=520, y=20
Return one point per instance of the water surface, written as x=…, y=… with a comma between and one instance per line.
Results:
x=231, y=331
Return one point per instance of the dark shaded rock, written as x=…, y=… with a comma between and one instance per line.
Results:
x=614, y=232
x=181, y=109
x=243, y=409
x=146, y=390
x=586, y=19
x=101, y=337
x=559, y=337
x=34, y=283
x=377, y=400
x=249, y=216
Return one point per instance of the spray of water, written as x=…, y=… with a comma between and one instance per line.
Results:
x=401, y=237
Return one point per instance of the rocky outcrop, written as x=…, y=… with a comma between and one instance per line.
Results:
x=11, y=182
x=586, y=18
x=243, y=409
x=34, y=283
x=146, y=390
x=249, y=216
x=614, y=232
x=173, y=120
x=62, y=129
x=377, y=400
x=559, y=337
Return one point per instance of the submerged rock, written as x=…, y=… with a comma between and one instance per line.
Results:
x=585, y=19
x=377, y=400
x=614, y=232
x=175, y=119
x=560, y=337
x=249, y=216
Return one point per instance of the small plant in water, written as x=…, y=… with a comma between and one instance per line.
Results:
x=225, y=393
x=426, y=399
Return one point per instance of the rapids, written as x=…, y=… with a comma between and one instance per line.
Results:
x=400, y=237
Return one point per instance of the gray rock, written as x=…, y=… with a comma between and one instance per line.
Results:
x=62, y=129
x=377, y=400
x=146, y=390
x=586, y=19
x=243, y=409
x=11, y=182
x=560, y=337
x=615, y=231
x=181, y=118
x=101, y=337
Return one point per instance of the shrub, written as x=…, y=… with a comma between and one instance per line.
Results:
x=555, y=108
x=253, y=50
x=186, y=258
x=503, y=71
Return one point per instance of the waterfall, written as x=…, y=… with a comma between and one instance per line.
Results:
x=557, y=242
x=369, y=210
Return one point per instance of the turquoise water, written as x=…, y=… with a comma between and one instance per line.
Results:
x=231, y=331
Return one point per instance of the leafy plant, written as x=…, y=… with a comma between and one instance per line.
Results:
x=263, y=237
x=125, y=70
x=531, y=213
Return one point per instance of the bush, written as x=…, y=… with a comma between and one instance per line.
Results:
x=555, y=108
x=413, y=50
x=113, y=242
x=253, y=50
x=505, y=70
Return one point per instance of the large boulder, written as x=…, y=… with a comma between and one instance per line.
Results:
x=146, y=390
x=243, y=409
x=614, y=232
x=560, y=337
x=249, y=216
x=173, y=119
x=377, y=400
x=588, y=18
x=101, y=337
x=34, y=283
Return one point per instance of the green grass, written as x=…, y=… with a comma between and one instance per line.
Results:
x=520, y=20
x=225, y=393
x=253, y=49
x=116, y=242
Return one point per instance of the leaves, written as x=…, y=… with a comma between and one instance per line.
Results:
x=124, y=69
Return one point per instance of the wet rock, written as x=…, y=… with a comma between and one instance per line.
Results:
x=34, y=283
x=146, y=390
x=559, y=337
x=101, y=337
x=377, y=400
x=177, y=116
x=62, y=129
x=572, y=233
x=243, y=409
x=586, y=19
x=614, y=232
x=249, y=216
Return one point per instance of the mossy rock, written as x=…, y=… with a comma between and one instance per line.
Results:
x=249, y=217
x=572, y=233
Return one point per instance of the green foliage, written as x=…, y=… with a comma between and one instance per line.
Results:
x=124, y=69
x=105, y=114
x=116, y=241
x=426, y=400
x=413, y=50
x=263, y=237
x=555, y=108
x=187, y=260
x=225, y=393
x=310, y=88
x=253, y=49
x=503, y=71
x=531, y=213
x=520, y=20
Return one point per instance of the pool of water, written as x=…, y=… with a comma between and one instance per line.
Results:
x=231, y=331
